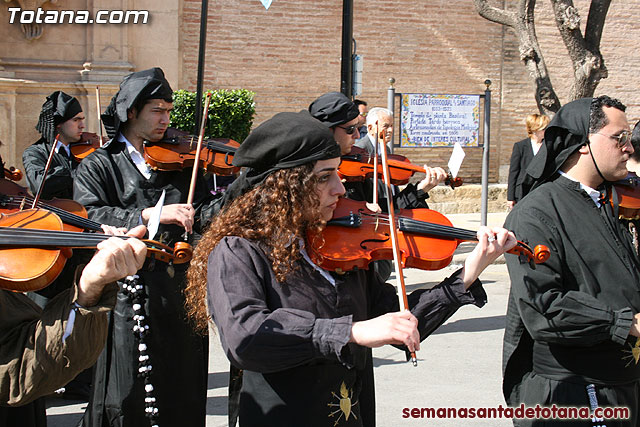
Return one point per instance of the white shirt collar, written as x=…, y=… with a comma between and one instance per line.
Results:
x=66, y=148
x=319, y=269
x=136, y=157
x=535, y=147
x=594, y=194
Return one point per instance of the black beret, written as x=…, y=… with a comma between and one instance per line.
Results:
x=333, y=108
x=284, y=141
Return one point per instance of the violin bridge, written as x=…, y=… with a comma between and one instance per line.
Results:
x=24, y=200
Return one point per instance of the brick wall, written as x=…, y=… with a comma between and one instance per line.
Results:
x=290, y=54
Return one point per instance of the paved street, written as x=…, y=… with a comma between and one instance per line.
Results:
x=458, y=366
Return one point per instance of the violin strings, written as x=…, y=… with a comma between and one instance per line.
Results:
x=10, y=235
x=71, y=218
x=16, y=236
x=416, y=226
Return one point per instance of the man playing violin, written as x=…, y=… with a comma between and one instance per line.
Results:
x=118, y=187
x=61, y=115
x=573, y=322
x=303, y=334
x=41, y=350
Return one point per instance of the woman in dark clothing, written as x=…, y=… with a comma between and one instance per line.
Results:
x=522, y=154
x=300, y=333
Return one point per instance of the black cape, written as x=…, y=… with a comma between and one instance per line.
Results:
x=115, y=192
x=62, y=170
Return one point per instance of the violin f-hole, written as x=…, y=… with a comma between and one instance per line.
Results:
x=362, y=244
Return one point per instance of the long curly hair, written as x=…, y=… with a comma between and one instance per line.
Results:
x=277, y=213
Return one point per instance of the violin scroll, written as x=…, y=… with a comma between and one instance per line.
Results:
x=538, y=255
x=182, y=252
x=13, y=174
x=453, y=182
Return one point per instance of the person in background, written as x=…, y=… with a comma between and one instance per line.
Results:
x=633, y=164
x=61, y=115
x=363, y=109
x=336, y=111
x=522, y=154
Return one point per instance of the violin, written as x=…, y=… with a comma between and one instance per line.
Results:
x=628, y=190
x=177, y=150
x=89, y=142
x=14, y=197
x=426, y=238
x=359, y=164
x=34, y=249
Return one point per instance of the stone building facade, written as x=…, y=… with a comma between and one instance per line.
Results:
x=290, y=54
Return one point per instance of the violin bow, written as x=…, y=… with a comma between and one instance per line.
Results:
x=99, y=112
x=402, y=289
x=375, y=166
x=36, y=199
x=194, y=173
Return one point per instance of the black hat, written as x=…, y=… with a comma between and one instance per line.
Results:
x=58, y=108
x=333, y=108
x=136, y=87
x=285, y=141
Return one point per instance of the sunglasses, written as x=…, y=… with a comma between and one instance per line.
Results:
x=621, y=140
x=349, y=129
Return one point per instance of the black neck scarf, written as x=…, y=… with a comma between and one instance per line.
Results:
x=566, y=133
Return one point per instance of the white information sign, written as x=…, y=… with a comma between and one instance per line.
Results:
x=429, y=120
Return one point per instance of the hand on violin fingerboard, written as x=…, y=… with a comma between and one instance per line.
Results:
x=434, y=176
x=115, y=259
x=492, y=242
x=181, y=214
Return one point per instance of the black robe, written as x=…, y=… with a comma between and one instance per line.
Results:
x=291, y=339
x=568, y=320
x=115, y=193
x=62, y=170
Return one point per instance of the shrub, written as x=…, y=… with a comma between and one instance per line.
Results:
x=230, y=113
